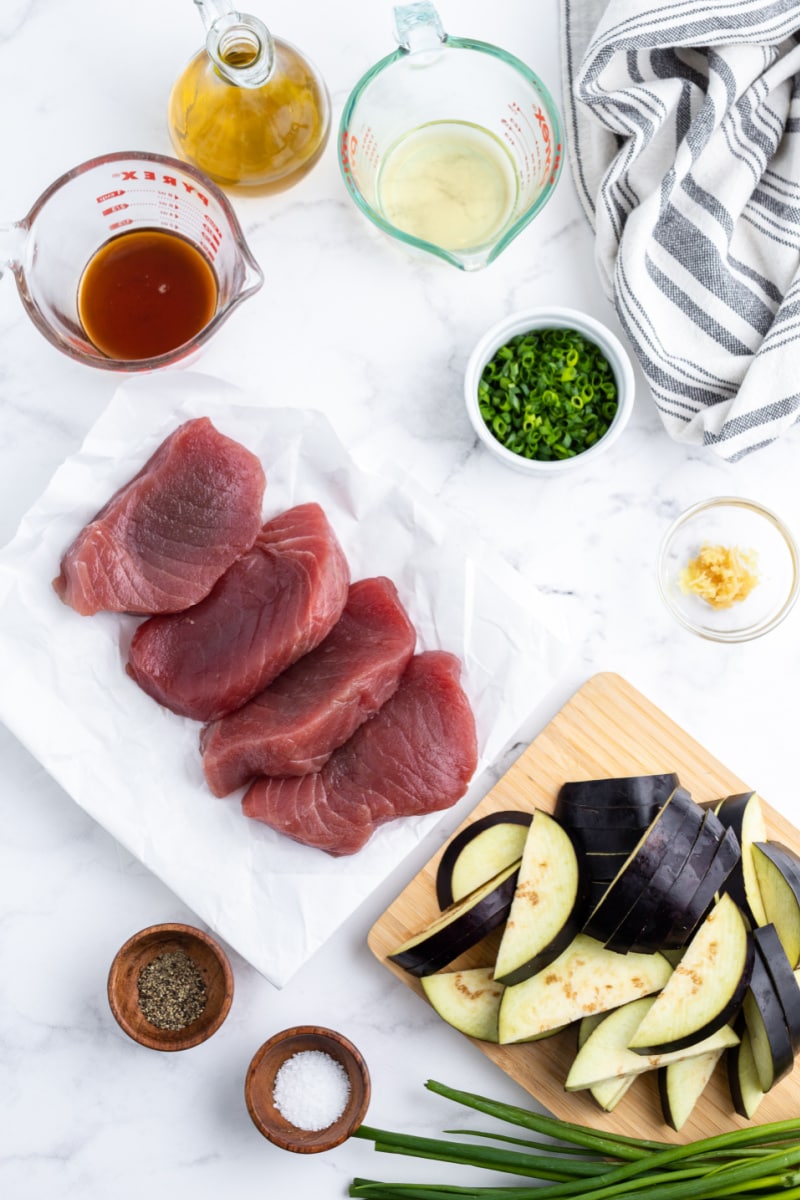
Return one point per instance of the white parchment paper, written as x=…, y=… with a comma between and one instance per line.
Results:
x=135, y=767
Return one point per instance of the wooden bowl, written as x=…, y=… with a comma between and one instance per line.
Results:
x=260, y=1083
x=137, y=953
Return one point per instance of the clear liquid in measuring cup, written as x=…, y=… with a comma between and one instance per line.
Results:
x=450, y=183
x=144, y=293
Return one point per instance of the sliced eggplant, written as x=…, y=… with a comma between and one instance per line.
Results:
x=609, y=1092
x=587, y=1025
x=609, y=839
x=596, y=890
x=468, y=1000
x=605, y=1055
x=777, y=870
x=460, y=926
x=647, y=922
x=681, y=1084
x=743, y=814
x=641, y=792
x=773, y=955
x=479, y=852
x=640, y=866
x=706, y=989
x=584, y=979
x=604, y=868
x=769, y=1034
x=727, y=855
x=616, y=816
x=548, y=906
x=697, y=865
x=745, y=1086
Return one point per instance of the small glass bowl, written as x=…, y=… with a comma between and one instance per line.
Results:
x=732, y=522
x=260, y=1083
x=527, y=321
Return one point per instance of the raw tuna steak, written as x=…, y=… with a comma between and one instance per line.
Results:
x=277, y=602
x=293, y=726
x=415, y=756
x=163, y=540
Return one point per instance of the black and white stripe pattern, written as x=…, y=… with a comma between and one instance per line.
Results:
x=683, y=129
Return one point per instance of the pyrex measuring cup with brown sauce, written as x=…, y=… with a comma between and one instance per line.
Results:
x=130, y=261
x=450, y=145
x=250, y=110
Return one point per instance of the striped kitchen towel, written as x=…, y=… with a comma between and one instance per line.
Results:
x=683, y=129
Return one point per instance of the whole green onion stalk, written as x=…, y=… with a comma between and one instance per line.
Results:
x=761, y=1161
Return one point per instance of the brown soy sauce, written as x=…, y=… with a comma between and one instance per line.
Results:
x=144, y=293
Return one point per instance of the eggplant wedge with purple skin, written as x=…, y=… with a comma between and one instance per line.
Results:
x=707, y=987
x=681, y=1084
x=478, y=852
x=607, y=817
x=638, y=869
x=697, y=865
x=644, y=925
x=548, y=906
x=767, y=1028
x=596, y=890
x=460, y=926
x=743, y=814
x=468, y=1000
x=604, y=868
x=777, y=869
x=699, y=904
x=770, y=947
x=743, y=1081
x=608, y=1093
x=606, y=830
x=585, y=979
x=610, y=839
x=606, y=1056
x=602, y=818
x=641, y=792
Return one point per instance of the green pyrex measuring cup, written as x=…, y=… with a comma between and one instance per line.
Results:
x=450, y=145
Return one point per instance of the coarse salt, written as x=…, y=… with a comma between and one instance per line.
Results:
x=311, y=1090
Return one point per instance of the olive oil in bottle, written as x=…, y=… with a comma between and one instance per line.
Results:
x=249, y=110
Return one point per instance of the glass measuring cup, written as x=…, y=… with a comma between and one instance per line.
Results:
x=450, y=145
x=80, y=212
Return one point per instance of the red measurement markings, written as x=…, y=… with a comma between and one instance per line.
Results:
x=189, y=187
x=348, y=150
x=354, y=151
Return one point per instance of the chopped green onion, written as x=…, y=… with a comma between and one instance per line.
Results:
x=569, y=390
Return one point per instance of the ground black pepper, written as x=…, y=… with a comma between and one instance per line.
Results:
x=172, y=991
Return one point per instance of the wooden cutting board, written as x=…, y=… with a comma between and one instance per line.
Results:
x=607, y=729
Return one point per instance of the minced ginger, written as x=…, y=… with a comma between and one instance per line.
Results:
x=721, y=575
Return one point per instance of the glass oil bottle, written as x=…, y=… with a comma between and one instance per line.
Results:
x=249, y=110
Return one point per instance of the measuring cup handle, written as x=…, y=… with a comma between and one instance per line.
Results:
x=417, y=26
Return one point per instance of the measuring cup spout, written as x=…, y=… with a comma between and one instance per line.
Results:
x=239, y=45
x=253, y=277
x=417, y=26
x=12, y=238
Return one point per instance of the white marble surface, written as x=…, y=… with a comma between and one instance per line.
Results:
x=348, y=323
